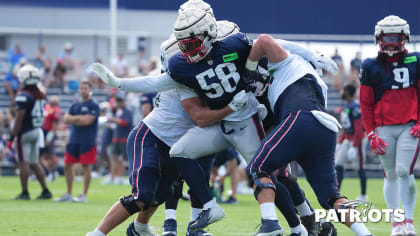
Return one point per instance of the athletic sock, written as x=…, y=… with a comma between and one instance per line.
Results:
x=195, y=178
x=363, y=180
x=340, y=175
x=268, y=211
x=285, y=204
x=391, y=194
x=210, y=204
x=194, y=213
x=360, y=229
x=140, y=226
x=97, y=232
x=408, y=194
x=304, y=209
x=170, y=214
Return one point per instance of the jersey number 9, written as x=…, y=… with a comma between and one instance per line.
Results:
x=226, y=73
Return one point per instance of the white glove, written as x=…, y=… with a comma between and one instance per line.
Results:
x=352, y=154
x=326, y=63
x=106, y=75
x=238, y=101
x=262, y=112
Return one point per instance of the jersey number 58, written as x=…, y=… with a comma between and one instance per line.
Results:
x=227, y=75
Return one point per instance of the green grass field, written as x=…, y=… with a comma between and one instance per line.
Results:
x=38, y=217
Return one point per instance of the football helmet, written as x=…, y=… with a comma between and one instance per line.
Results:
x=29, y=75
x=195, y=31
x=226, y=28
x=197, y=4
x=391, y=34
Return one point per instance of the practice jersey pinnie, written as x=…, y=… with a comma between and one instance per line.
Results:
x=217, y=79
x=84, y=134
x=34, y=115
x=351, y=112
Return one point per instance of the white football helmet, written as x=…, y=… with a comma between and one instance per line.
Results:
x=195, y=31
x=167, y=49
x=197, y=4
x=226, y=28
x=29, y=75
x=391, y=34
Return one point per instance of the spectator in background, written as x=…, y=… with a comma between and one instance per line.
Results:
x=355, y=65
x=59, y=76
x=43, y=62
x=340, y=76
x=142, y=61
x=52, y=113
x=148, y=102
x=11, y=82
x=81, y=148
x=106, y=139
x=73, y=67
x=123, y=118
x=337, y=57
x=120, y=66
x=15, y=54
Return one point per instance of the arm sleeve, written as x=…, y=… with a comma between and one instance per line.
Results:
x=21, y=102
x=184, y=92
x=295, y=48
x=148, y=84
x=358, y=132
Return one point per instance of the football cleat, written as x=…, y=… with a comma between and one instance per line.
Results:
x=311, y=226
x=81, y=198
x=131, y=231
x=269, y=228
x=409, y=229
x=22, y=196
x=397, y=230
x=207, y=217
x=199, y=232
x=169, y=227
x=327, y=229
x=46, y=194
x=65, y=198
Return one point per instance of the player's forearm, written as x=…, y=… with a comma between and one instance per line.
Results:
x=148, y=84
x=267, y=46
x=367, y=106
x=206, y=116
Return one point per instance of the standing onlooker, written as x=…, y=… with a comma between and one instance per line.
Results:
x=59, y=76
x=43, y=62
x=52, y=115
x=15, y=54
x=124, y=120
x=81, y=148
x=340, y=76
x=29, y=117
x=142, y=61
x=355, y=65
x=120, y=66
x=147, y=103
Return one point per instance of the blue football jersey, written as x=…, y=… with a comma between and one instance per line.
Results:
x=84, y=134
x=215, y=79
x=389, y=76
x=351, y=112
x=34, y=111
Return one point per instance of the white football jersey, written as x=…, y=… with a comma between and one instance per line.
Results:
x=289, y=71
x=168, y=121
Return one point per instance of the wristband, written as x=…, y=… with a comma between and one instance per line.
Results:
x=251, y=65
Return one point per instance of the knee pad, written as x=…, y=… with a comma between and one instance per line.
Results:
x=259, y=185
x=402, y=170
x=329, y=203
x=129, y=203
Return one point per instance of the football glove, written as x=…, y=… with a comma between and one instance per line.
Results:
x=106, y=75
x=376, y=144
x=238, y=101
x=415, y=131
x=262, y=112
x=352, y=153
x=323, y=62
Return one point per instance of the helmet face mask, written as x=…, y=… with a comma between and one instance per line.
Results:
x=193, y=49
x=28, y=75
x=391, y=44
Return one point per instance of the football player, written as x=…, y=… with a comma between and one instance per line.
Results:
x=350, y=145
x=389, y=99
x=213, y=70
x=304, y=133
x=30, y=102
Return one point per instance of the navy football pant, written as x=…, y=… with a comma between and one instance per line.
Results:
x=152, y=172
x=300, y=137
